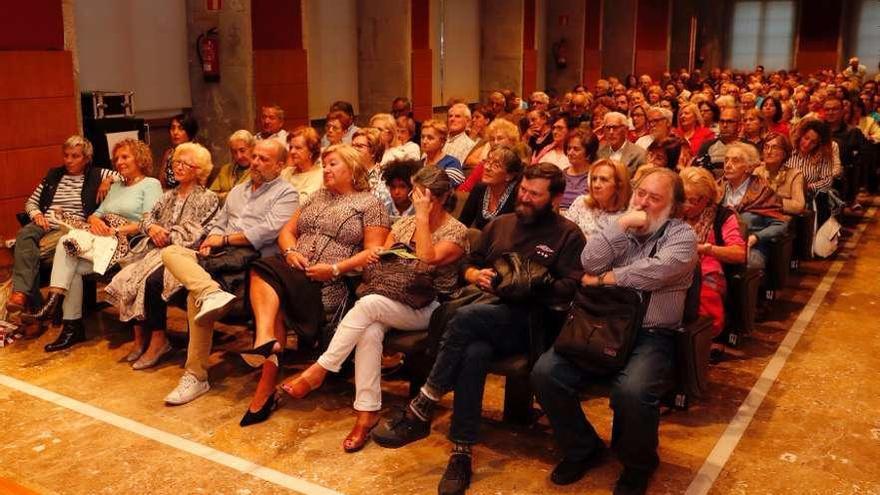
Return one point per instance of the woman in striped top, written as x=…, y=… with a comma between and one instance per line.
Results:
x=130, y=199
x=813, y=155
x=72, y=189
x=816, y=155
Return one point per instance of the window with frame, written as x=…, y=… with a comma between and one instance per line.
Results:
x=867, y=35
x=762, y=33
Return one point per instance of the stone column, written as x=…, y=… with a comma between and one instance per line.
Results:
x=502, y=41
x=228, y=105
x=383, y=54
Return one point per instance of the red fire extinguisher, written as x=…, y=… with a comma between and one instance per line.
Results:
x=208, y=49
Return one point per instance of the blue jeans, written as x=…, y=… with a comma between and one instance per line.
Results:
x=767, y=230
x=635, y=399
x=474, y=337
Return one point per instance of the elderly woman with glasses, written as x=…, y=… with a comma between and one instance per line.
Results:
x=179, y=217
x=788, y=182
x=496, y=193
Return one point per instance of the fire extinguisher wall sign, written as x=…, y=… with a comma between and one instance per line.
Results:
x=208, y=49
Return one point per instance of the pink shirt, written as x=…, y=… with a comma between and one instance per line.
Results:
x=732, y=237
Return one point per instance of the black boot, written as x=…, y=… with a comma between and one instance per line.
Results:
x=50, y=311
x=73, y=332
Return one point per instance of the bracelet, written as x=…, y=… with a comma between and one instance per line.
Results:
x=225, y=240
x=335, y=269
x=600, y=280
x=289, y=250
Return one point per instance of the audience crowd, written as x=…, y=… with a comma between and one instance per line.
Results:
x=654, y=185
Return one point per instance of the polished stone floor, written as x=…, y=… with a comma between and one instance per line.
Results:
x=816, y=431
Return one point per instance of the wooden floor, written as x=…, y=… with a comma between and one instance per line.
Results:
x=82, y=422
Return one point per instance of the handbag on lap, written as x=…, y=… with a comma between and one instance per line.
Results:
x=401, y=276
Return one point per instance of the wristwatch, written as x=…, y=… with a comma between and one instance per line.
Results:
x=289, y=250
x=335, y=269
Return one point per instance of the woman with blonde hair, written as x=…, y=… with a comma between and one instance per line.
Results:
x=124, y=207
x=393, y=148
x=605, y=200
x=302, y=288
x=690, y=127
x=500, y=132
x=179, y=217
x=719, y=239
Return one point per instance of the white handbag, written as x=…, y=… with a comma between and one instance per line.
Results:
x=827, y=238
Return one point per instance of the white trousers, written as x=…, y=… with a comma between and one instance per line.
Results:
x=67, y=274
x=363, y=329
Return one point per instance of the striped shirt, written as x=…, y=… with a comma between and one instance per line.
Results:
x=819, y=171
x=68, y=196
x=666, y=275
x=459, y=146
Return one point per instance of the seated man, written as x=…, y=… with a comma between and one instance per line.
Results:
x=71, y=188
x=253, y=214
x=478, y=333
x=711, y=153
x=241, y=145
x=647, y=249
x=753, y=199
x=617, y=147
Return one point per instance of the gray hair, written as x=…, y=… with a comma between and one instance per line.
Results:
x=665, y=112
x=611, y=116
x=277, y=108
x=748, y=150
x=541, y=97
x=242, y=135
x=77, y=140
x=463, y=107
x=202, y=158
x=280, y=149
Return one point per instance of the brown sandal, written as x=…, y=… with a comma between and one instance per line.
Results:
x=299, y=387
x=358, y=436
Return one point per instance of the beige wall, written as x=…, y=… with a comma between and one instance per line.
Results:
x=383, y=54
x=331, y=40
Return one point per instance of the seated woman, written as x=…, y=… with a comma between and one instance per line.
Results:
x=439, y=240
x=786, y=181
x=555, y=151
x=664, y=153
x=477, y=130
x=772, y=113
x=606, y=199
x=72, y=189
x=398, y=179
x=496, y=193
x=501, y=132
x=241, y=145
x=755, y=202
x=434, y=135
x=753, y=130
x=690, y=127
x=333, y=129
x=816, y=157
x=183, y=129
x=711, y=113
x=718, y=240
x=303, y=170
x=335, y=233
x=391, y=146
x=580, y=148
x=179, y=217
x=131, y=199
x=368, y=141
x=638, y=115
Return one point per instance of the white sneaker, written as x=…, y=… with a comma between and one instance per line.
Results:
x=213, y=306
x=188, y=389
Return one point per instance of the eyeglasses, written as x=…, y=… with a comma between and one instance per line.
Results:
x=492, y=163
x=728, y=121
x=181, y=163
x=773, y=147
x=657, y=120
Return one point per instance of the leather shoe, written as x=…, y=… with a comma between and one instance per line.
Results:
x=17, y=302
x=457, y=476
x=569, y=471
x=401, y=430
x=632, y=482
x=73, y=332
